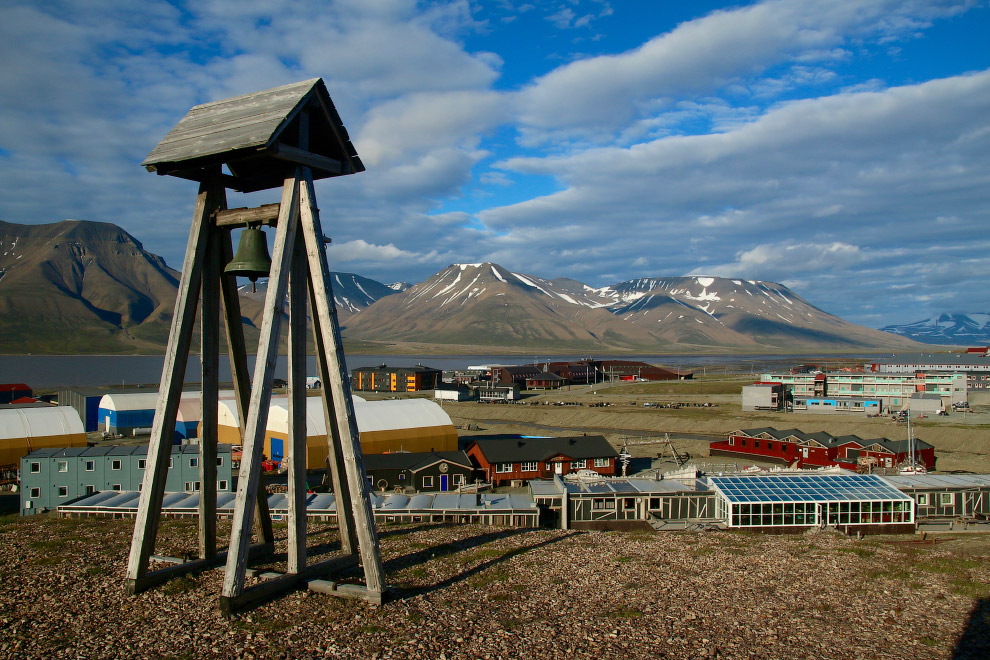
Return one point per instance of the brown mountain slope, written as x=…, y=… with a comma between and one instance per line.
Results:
x=485, y=305
x=77, y=285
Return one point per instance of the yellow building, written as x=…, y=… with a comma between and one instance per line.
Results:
x=403, y=425
x=22, y=430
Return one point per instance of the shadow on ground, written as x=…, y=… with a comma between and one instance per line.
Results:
x=975, y=641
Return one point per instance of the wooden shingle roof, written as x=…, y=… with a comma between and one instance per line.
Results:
x=257, y=136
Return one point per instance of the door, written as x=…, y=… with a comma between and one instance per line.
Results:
x=443, y=482
x=558, y=467
x=278, y=450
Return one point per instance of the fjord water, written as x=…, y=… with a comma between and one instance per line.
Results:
x=51, y=371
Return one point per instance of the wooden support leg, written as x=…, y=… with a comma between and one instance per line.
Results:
x=163, y=427
x=237, y=352
x=335, y=460
x=209, y=308
x=261, y=390
x=339, y=389
x=297, y=410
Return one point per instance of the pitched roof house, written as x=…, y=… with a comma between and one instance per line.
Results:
x=522, y=459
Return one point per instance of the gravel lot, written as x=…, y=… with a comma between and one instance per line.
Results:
x=483, y=592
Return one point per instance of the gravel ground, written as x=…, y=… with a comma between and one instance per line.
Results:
x=484, y=592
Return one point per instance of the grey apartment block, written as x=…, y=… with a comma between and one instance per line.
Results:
x=51, y=477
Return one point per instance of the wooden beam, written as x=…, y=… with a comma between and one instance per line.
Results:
x=266, y=214
x=346, y=421
x=335, y=459
x=180, y=567
x=306, y=158
x=209, y=327
x=281, y=583
x=173, y=372
x=261, y=389
x=296, y=454
x=346, y=590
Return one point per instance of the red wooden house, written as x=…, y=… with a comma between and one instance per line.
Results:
x=503, y=460
x=798, y=449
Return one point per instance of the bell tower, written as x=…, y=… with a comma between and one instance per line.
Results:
x=284, y=137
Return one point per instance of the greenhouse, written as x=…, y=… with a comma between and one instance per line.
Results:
x=794, y=500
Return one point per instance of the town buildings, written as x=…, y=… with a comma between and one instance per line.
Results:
x=863, y=392
x=419, y=471
x=505, y=460
x=803, y=450
x=55, y=476
x=395, y=379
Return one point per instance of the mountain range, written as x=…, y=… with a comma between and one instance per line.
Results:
x=963, y=329
x=79, y=286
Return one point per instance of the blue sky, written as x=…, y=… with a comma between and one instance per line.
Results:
x=840, y=147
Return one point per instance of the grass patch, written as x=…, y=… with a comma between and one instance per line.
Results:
x=622, y=559
x=859, y=552
x=178, y=586
x=928, y=640
x=626, y=613
x=948, y=565
x=970, y=588
x=488, y=577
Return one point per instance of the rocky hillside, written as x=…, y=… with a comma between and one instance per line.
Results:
x=951, y=329
x=81, y=286
x=488, y=305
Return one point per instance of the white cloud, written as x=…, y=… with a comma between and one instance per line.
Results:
x=597, y=96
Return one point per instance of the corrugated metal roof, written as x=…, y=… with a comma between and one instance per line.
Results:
x=320, y=503
x=923, y=481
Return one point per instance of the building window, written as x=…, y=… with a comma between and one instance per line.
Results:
x=194, y=462
x=503, y=467
x=602, y=503
x=35, y=467
x=219, y=461
x=427, y=482
x=601, y=462
x=549, y=465
x=63, y=491
x=142, y=462
x=35, y=493
x=945, y=499
x=115, y=487
x=222, y=484
x=628, y=503
x=90, y=466
x=458, y=479
x=732, y=441
x=922, y=499
x=191, y=486
x=63, y=466
x=530, y=466
x=115, y=465
x=756, y=444
x=402, y=476
x=744, y=442
x=577, y=465
x=770, y=446
x=170, y=464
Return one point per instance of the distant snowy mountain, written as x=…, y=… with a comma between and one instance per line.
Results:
x=952, y=329
x=485, y=304
x=399, y=286
x=351, y=292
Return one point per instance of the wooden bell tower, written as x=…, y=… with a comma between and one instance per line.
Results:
x=288, y=136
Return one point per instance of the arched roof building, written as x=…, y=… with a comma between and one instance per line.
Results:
x=23, y=430
x=403, y=425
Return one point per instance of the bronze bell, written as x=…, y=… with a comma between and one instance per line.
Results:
x=252, y=260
